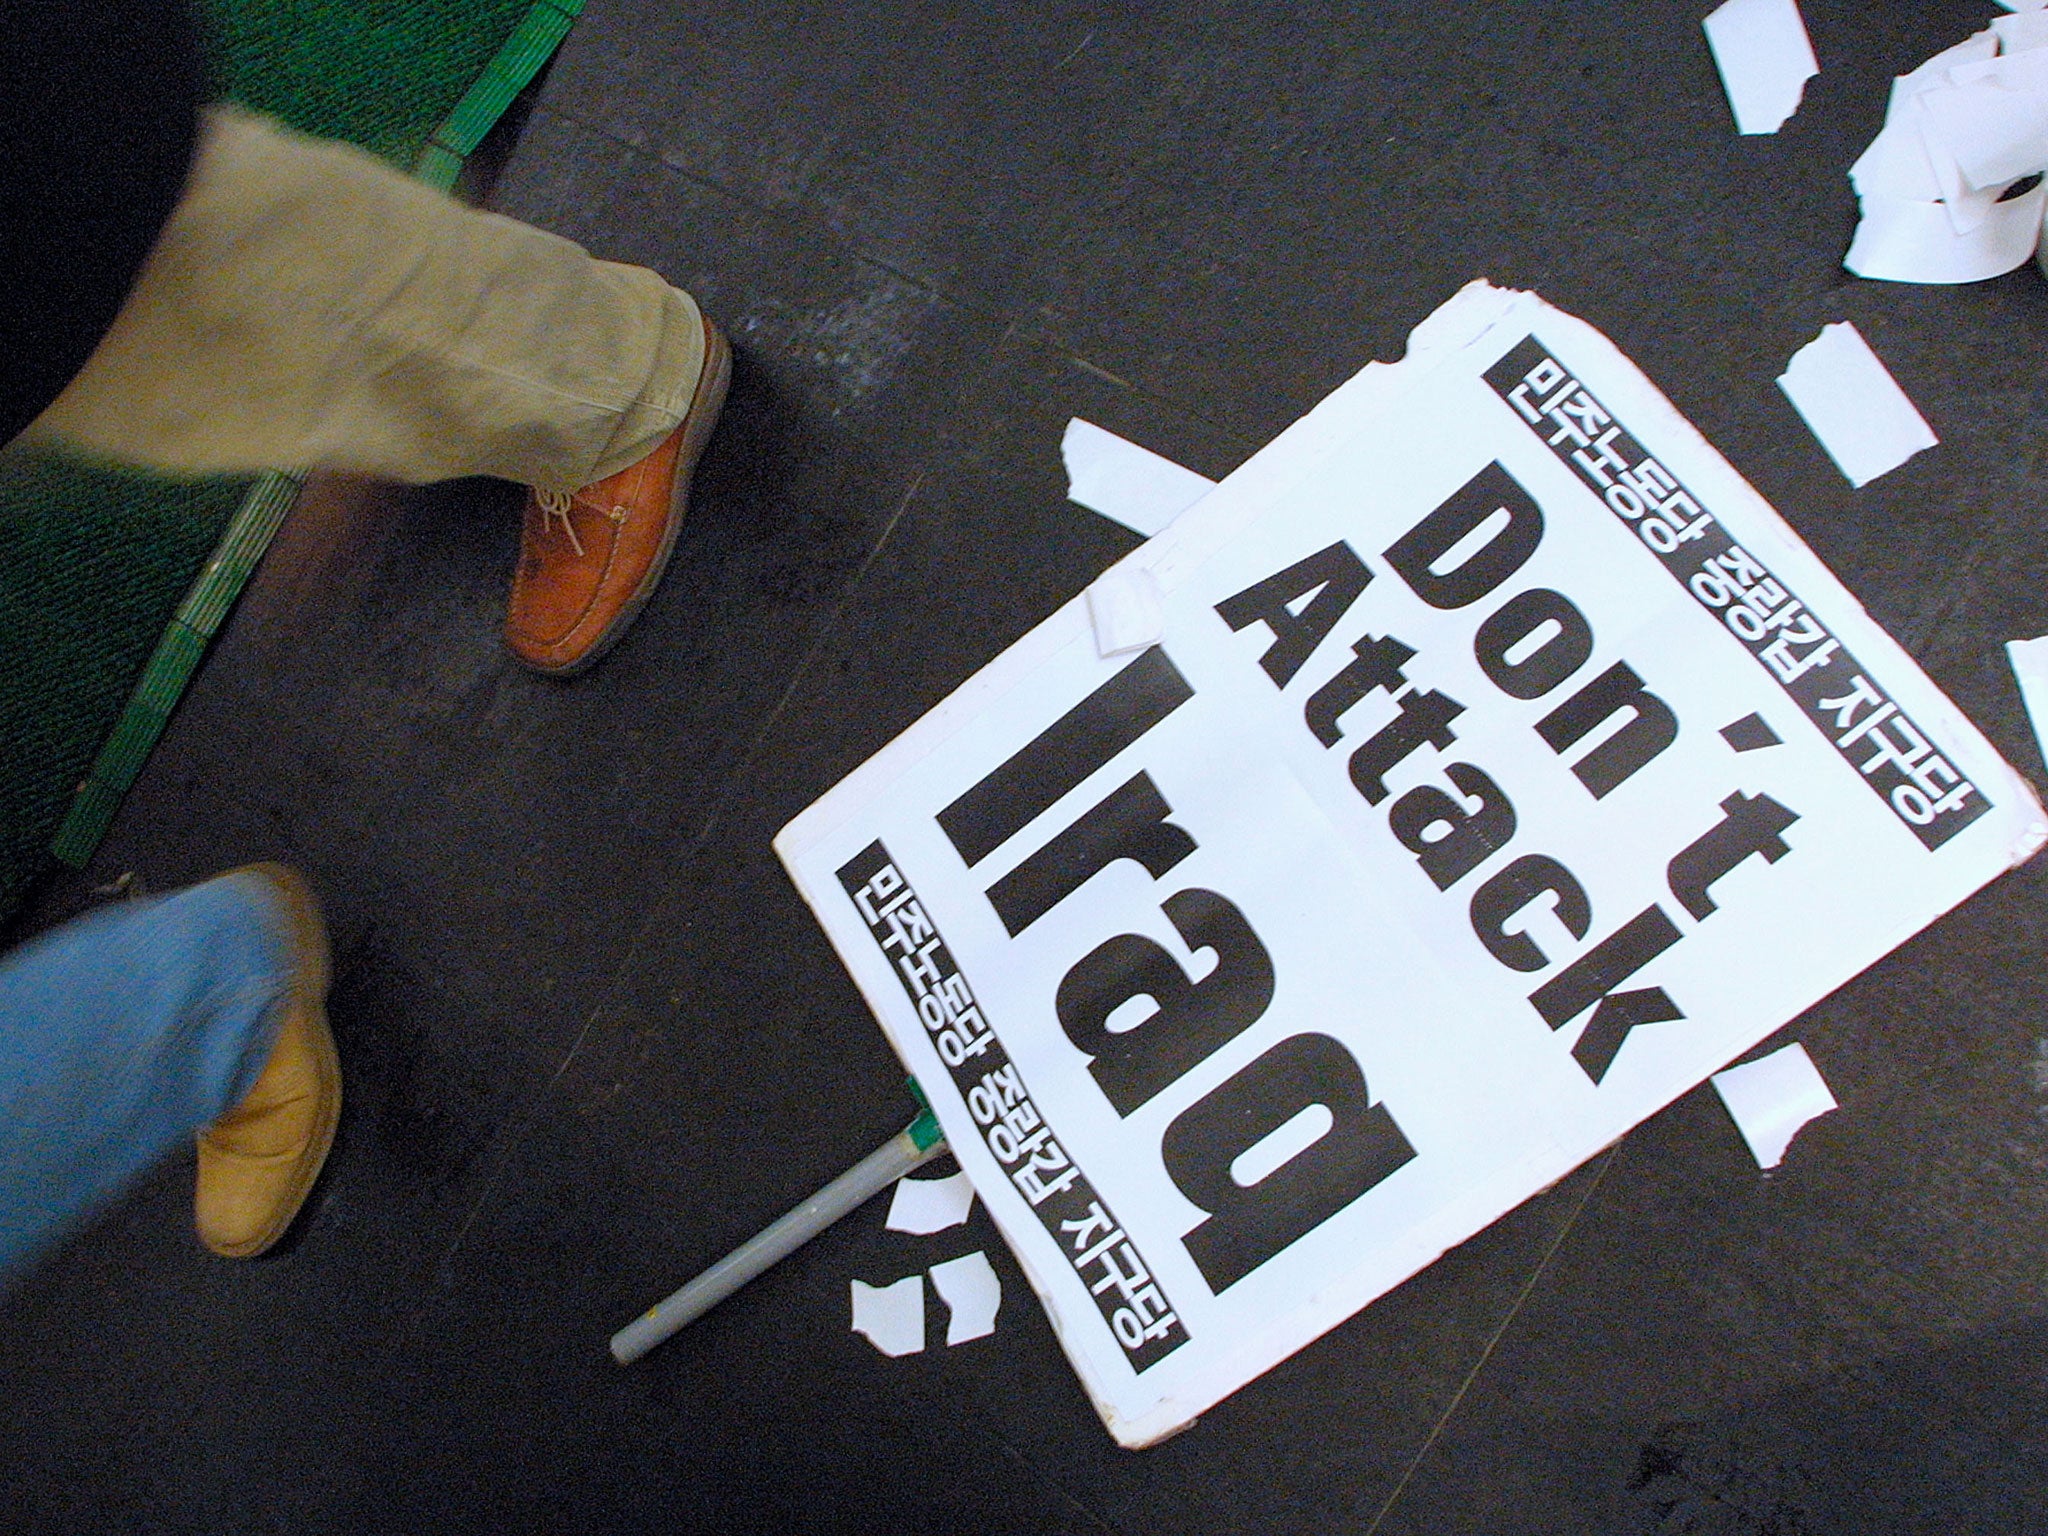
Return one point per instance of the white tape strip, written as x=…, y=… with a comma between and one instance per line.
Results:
x=1127, y=609
x=1765, y=59
x=1125, y=483
x=1771, y=1098
x=2029, y=660
x=1854, y=405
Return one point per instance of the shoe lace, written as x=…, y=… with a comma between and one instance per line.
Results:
x=554, y=504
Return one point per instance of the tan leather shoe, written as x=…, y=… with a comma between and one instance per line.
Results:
x=588, y=562
x=258, y=1161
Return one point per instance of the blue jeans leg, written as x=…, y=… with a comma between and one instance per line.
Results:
x=122, y=1035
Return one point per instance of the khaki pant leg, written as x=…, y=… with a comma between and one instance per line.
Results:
x=309, y=306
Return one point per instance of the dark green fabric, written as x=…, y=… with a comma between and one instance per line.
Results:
x=93, y=562
x=380, y=73
x=92, y=565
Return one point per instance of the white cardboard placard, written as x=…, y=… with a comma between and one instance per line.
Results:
x=1408, y=870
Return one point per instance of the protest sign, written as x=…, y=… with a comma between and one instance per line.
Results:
x=1505, y=767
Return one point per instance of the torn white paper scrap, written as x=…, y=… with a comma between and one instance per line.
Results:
x=1901, y=241
x=1960, y=133
x=1965, y=206
x=2017, y=34
x=2029, y=660
x=2021, y=5
x=1853, y=404
x=1127, y=609
x=892, y=1316
x=972, y=1293
x=1771, y=1098
x=1765, y=59
x=1992, y=122
x=1125, y=483
x=1895, y=164
x=924, y=1206
x=1978, y=45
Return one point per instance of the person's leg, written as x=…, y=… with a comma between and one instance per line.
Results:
x=258, y=1161
x=308, y=305
x=124, y=1033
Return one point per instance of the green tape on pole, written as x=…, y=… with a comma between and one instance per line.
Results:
x=924, y=1131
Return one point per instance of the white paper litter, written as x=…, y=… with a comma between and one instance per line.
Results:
x=1125, y=483
x=2029, y=29
x=1895, y=164
x=1771, y=1098
x=1961, y=132
x=1127, y=609
x=1916, y=242
x=2029, y=660
x=972, y=1292
x=1978, y=45
x=923, y=1206
x=1991, y=121
x=891, y=1316
x=1765, y=59
x=1854, y=405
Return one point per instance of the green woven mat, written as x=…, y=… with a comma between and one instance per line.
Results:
x=111, y=584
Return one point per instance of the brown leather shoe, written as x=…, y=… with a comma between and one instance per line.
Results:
x=257, y=1163
x=588, y=562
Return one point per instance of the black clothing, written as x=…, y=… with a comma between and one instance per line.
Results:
x=99, y=112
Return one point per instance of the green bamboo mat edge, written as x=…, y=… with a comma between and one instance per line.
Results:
x=184, y=643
